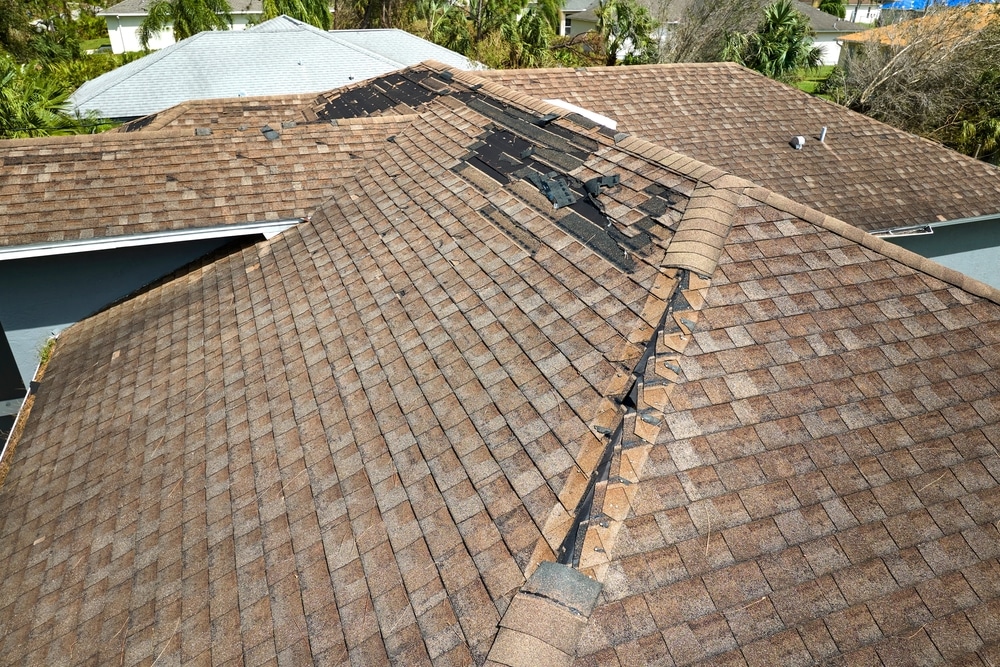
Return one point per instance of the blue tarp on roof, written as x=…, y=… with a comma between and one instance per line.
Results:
x=920, y=5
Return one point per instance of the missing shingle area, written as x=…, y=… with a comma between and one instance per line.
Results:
x=411, y=89
x=596, y=238
x=661, y=199
x=504, y=155
x=139, y=123
x=511, y=228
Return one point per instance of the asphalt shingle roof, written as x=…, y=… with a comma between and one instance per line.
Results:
x=820, y=21
x=770, y=437
x=866, y=173
x=114, y=184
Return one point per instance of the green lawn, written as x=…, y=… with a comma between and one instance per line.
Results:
x=94, y=44
x=813, y=78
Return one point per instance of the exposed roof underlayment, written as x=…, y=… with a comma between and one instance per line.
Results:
x=521, y=389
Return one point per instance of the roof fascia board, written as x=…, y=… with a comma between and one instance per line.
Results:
x=266, y=229
x=991, y=217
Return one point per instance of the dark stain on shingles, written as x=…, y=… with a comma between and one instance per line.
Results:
x=523, y=237
x=596, y=238
x=138, y=124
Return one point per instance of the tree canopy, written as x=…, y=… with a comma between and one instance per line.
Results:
x=188, y=17
x=313, y=12
x=33, y=104
x=837, y=8
x=780, y=46
x=498, y=33
x=700, y=35
x=938, y=76
x=627, y=32
x=14, y=31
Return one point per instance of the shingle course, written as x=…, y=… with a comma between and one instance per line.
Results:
x=742, y=122
x=363, y=435
x=223, y=179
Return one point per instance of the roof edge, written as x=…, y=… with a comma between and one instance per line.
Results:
x=721, y=180
x=881, y=246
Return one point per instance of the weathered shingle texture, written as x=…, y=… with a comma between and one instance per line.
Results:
x=824, y=484
x=356, y=442
x=866, y=173
x=107, y=185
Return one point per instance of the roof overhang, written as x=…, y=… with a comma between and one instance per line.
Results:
x=266, y=229
x=929, y=227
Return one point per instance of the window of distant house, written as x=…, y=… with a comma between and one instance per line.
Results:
x=567, y=26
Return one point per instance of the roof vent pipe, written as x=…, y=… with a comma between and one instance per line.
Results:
x=822, y=135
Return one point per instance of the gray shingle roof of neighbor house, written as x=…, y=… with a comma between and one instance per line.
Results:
x=141, y=7
x=280, y=56
x=770, y=437
x=823, y=22
x=866, y=173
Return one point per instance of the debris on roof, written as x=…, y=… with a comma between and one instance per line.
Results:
x=681, y=419
x=866, y=173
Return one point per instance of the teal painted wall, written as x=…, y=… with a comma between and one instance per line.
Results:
x=40, y=297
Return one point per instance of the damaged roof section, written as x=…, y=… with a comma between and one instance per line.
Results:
x=510, y=338
x=392, y=410
x=865, y=173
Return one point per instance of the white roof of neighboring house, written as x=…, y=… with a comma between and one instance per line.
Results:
x=572, y=6
x=278, y=57
x=141, y=8
x=403, y=46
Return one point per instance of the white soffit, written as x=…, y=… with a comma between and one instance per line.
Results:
x=266, y=229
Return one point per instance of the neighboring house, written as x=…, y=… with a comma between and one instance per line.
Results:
x=867, y=13
x=125, y=18
x=923, y=5
x=828, y=29
x=577, y=17
x=523, y=390
x=869, y=174
x=278, y=57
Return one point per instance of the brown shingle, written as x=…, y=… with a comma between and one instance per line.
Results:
x=715, y=132
x=362, y=436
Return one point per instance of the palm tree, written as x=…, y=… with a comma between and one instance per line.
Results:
x=837, y=8
x=33, y=105
x=781, y=45
x=626, y=29
x=313, y=12
x=188, y=17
